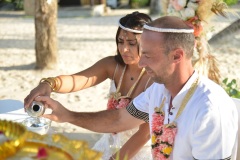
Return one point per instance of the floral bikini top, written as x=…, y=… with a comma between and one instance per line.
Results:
x=116, y=100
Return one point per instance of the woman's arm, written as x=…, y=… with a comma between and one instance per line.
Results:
x=91, y=76
x=135, y=143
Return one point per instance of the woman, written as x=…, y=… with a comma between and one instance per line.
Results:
x=127, y=81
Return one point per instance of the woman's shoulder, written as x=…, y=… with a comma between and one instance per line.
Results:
x=111, y=66
x=109, y=60
x=111, y=63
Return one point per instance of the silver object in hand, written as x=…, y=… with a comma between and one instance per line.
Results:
x=36, y=109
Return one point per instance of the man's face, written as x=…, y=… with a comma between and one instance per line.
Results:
x=154, y=57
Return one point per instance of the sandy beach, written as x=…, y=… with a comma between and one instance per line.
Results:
x=81, y=42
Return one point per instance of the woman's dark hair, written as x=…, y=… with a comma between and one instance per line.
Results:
x=134, y=21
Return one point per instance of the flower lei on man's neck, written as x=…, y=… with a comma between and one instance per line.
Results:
x=163, y=135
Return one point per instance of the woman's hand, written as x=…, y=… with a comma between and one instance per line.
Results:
x=43, y=89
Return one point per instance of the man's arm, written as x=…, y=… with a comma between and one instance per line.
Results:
x=107, y=121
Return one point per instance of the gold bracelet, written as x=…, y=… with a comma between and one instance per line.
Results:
x=57, y=85
x=52, y=82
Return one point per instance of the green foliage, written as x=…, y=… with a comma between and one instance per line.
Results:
x=230, y=2
x=139, y=3
x=18, y=4
x=231, y=88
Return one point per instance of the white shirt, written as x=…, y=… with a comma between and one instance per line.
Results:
x=206, y=129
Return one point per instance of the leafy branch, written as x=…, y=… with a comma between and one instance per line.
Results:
x=231, y=88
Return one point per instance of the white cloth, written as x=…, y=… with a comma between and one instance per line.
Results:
x=208, y=125
x=236, y=150
x=109, y=143
x=11, y=109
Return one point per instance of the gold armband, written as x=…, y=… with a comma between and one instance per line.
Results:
x=52, y=82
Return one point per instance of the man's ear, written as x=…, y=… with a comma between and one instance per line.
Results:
x=177, y=55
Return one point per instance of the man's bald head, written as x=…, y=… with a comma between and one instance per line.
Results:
x=170, y=39
x=169, y=22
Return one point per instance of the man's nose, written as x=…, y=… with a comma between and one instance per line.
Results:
x=141, y=62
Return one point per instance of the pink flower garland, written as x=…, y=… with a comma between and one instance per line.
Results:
x=162, y=137
x=116, y=104
x=112, y=103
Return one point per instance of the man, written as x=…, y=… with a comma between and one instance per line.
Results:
x=200, y=119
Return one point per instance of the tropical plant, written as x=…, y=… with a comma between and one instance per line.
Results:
x=231, y=88
x=18, y=4
x=139, y=3
x=230, y=2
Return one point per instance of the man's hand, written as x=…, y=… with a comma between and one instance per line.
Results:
x=59, y=112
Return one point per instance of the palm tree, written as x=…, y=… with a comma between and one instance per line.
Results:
x=45, y=33
x=224, y=35
x=158, y=6
x=155, y=7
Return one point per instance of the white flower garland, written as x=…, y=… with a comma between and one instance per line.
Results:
x=169, y=30
x=128, y=29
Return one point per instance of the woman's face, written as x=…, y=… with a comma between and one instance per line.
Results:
x=128, y=47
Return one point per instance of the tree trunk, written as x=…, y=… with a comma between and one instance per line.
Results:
x=155, y=7
x=45, y=32
x=226, y=34
x=29, y=7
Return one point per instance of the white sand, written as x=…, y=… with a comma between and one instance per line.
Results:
x=82, y=41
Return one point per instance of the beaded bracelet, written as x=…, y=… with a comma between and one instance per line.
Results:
x=52, y=82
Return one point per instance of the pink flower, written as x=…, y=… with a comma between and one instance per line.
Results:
x=169, y=134
x=162, y=137
x=123, y=103
x=162, y=146
x=157, y=155
x=42, y=153
x=116, y=104
x=112, y=103
x=1, y=132
x=157, y=122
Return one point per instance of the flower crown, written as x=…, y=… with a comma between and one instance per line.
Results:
x=169, y=30
x=128, y=29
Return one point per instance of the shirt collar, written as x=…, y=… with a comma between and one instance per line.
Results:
x=177, y=100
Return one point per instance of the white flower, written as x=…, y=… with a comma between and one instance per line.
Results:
x=187, y=13
x=184, y=13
